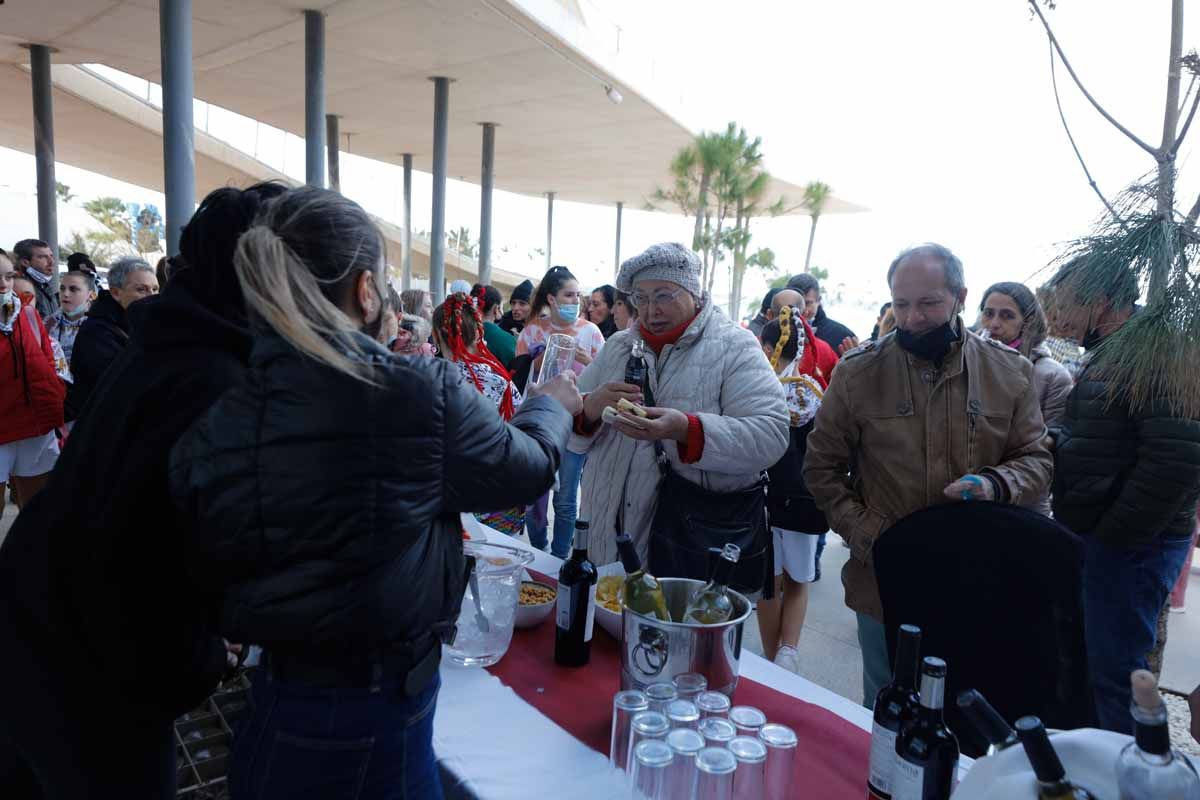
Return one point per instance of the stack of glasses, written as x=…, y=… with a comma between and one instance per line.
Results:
x=677, y=741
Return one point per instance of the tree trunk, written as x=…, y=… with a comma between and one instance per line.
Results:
x=739, y=266
x=812, y=235
x=701, y=209
x=1165, y=196
x=712, y=276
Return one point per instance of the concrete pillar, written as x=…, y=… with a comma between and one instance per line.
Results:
x=437, y=232
x=406, y=269
x=486, y=183
x=179, y=130
x=43, y=151
x=549, y=230
x=617, y=251
x=314, y=98
x=333, y=147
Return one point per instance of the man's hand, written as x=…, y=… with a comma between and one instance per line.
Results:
x=562, y=389
x=1194, y=707
x=608, y=395
x=970, y=487
x=848, y=344
x=659, y=424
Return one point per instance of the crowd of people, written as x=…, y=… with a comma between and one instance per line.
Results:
x=276, y=449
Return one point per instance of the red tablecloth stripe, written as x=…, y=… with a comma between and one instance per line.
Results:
x=831, y=760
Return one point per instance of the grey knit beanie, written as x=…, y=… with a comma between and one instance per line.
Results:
x=669, y=261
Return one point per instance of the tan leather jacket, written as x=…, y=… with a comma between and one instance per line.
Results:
x=894, y=431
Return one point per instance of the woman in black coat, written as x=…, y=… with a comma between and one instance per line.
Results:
x=326, y=491
x=104, y=640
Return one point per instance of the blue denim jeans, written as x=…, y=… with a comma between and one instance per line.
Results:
x=566, y=502
x=877, y=668
x=1124, y=589
x=536, y=524
x=335, y=744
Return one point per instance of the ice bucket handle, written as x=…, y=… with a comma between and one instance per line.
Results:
x=650, y=653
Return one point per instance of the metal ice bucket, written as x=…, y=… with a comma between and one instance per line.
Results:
x=654, y=651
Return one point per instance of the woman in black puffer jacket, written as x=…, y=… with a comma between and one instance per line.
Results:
x=328, y=489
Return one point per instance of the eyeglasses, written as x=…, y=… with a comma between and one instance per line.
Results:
x=660, y=298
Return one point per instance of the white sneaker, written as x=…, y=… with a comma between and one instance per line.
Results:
x=788, y=658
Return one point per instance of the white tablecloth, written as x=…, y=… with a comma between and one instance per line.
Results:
x=491, y=744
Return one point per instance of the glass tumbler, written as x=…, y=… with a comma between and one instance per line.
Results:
x=651, y=766
x=559, y=357
x=781, y=753
x=683, y=714
x=659, y=694
x=712, y=704
x=717, y=731
x=715, y=768
x=685, y=744
x=747, y=720
x=689, y=684
x=749, y=782
x=645, y=725
x=625, y=705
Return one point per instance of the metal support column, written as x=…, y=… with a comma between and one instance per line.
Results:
x=617, y=252
x=486, y=182
x=549, y=230
x=179, y=131
x=314, y=98
x=43, y=150
x=333, y=146
x=406, y=270
x=437, y=233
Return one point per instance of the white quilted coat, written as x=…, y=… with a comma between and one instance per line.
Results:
x=716, y=371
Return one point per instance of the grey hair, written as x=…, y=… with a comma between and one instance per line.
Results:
x=123, y=267
x=955, y=282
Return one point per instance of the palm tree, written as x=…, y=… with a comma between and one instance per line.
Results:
x=63, y=191
x=815, y=195
x=112, y=214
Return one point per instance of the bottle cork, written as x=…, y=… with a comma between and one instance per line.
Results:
x=1145, y=689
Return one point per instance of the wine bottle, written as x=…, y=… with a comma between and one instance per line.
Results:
x=643, y=594
x=986, y=720
x=710, y=604
x=1148, y=769
x=635, y=366
x=926, y=750
x=1051, y=777
x=575, y=610
x=895, y=705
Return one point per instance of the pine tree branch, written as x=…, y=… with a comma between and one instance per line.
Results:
x=1075, y=147
x=1070, y=70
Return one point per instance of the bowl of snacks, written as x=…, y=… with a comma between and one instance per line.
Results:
x=608, y=598
x=534, y=603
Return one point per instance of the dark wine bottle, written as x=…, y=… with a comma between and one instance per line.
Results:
x=895, y=705
x=575, y=610
x=635, y=366
x=986, y=720
x=926, y=750
x=1051, y=777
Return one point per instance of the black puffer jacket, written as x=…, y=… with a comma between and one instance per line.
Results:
x=832, y=332
x=328, y=508
x=1124, y=478
x=101, y=339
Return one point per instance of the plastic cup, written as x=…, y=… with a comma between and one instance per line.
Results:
x=645, y=726
x=651, y=766
x=625, y=705
x=683, y=714
x=781, y=754
x=717, y=731
x=659, y=694
x=688, y=685
x=715, y=768
x=747, y=719
x=749, y=782
x=685, y=744
x=559, y=357
x=712, y=704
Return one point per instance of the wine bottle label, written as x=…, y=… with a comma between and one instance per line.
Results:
x=562, y=609
x=883, y=762
x=565, y=605
x=908, y=781
x=591, y=612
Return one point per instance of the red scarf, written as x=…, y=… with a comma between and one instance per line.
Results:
x=657, y=341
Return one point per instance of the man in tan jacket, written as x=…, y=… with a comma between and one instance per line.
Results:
x=929, y=414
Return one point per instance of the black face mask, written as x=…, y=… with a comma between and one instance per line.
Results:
x=932, y=346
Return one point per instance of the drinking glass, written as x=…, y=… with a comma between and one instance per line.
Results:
x=712, y=704
x=646, y=725
x=685, y=744
x=683, y=714
x=717, y=731
x=689, y=684
x=625, y=705
x=659, y=694
x=747, y=719
x=750, y=779
x=559, y=357
x=651, y=763
x=715, y=768
x=781, y=752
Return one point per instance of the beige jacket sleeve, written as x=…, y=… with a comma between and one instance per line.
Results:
x=832, y=444
x=1027, y=464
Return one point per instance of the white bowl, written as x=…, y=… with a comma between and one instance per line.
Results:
x=530, y=616
x=610, y=621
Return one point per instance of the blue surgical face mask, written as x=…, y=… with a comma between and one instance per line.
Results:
x=570, y=313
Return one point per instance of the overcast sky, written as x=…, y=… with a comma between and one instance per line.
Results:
x=936, y=115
